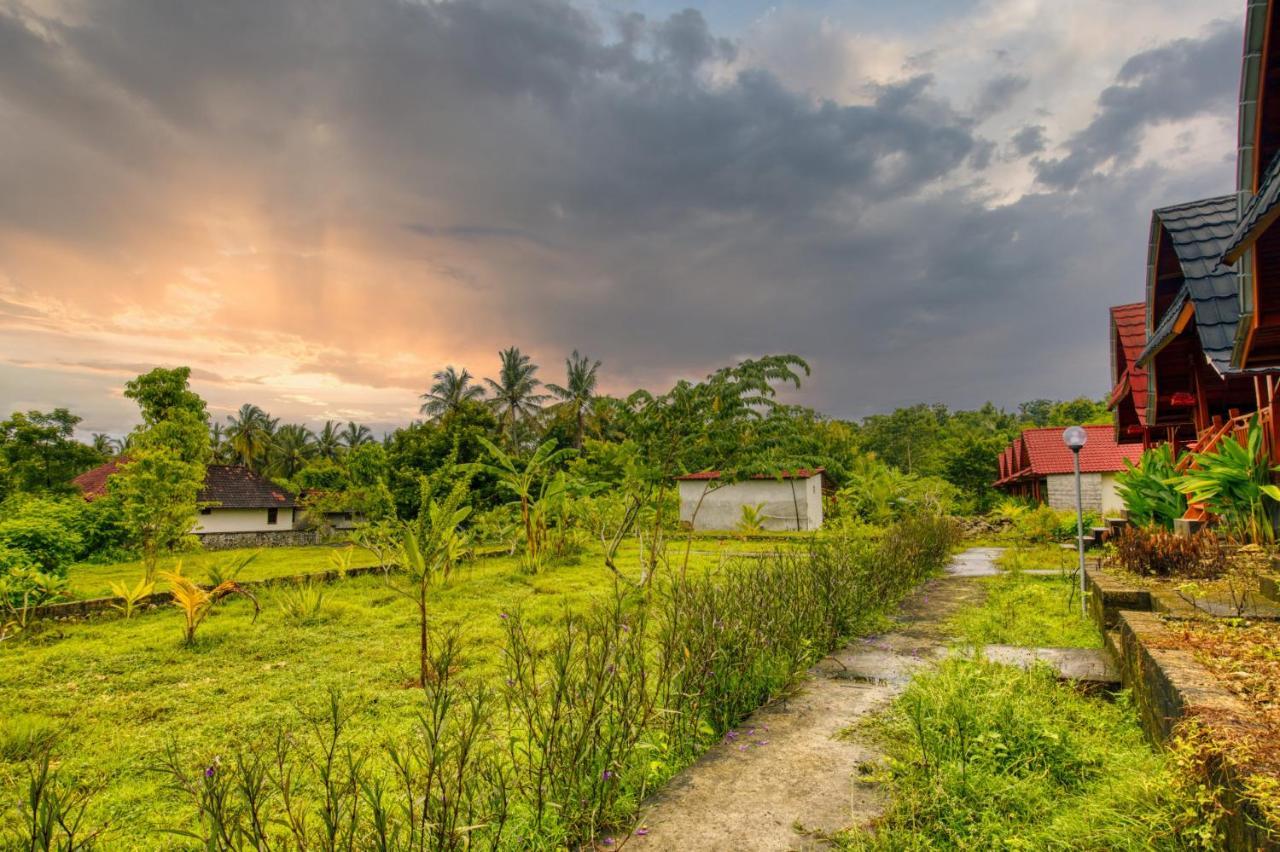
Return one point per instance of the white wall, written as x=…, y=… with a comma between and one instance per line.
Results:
x=1111, y=501
x=721, y=508
x=242, y=520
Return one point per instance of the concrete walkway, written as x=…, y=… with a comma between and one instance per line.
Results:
x=787, y=777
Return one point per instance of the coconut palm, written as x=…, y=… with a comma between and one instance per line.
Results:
x=450, y=390
x=354, y=434
x=292, y=447
x=249, y=433
x=515, y=390
x=329, y=441
x=105, y=445
x=578, y=391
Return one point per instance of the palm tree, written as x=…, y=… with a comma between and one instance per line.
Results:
x=219, y=446
x=515, y=389
x=291, y=448
x=105, y=445
x=578, y=391
x=354, y=434
x=329, y=441
x=450, y=390
x=249, y=433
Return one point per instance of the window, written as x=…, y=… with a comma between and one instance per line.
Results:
x=206, y=511
x=273, y=515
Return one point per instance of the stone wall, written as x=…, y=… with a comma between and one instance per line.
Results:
x=1062, y=491
x=265, y=538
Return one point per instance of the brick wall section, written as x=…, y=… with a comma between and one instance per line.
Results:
x=265, y=538
x=1062, y=491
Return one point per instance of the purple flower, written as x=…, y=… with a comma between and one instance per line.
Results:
x=641, y=832
x=608, y=841
x=502, y=615
x=742, y=748
x=606, y=775
x=762, y=742
x=732, y=735
x=208, y=773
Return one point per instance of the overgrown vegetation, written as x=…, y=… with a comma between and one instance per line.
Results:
x=1027, y=610
x=1147, y=489
x=984, y=756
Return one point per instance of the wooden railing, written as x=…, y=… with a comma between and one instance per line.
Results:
x=1236, y=427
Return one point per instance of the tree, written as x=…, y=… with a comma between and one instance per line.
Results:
x=105, y=445
x=533, y=486
x=157, y=488
x=353, y=435
x=249, y=433
x=450, y=390
x=578, y=391
x=39, y=454
x=291, y=448
x=515, y=390
x=328, y=441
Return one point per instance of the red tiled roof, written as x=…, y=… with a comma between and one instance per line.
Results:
x=227, y=486
x=1101, y=454
x=93, y=483
x=1129, y=326
x=798, y=473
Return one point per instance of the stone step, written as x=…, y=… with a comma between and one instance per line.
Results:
x=1086, y=665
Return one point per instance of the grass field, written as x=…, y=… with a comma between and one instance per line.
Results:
x=114, y=693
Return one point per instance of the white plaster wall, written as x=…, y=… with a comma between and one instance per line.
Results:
x=242, y=520
x=721, y=508
x=1111, y=502
x=1062, y=491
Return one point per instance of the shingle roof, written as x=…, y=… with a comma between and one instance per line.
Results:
x=1259, y=212
x=1130, y=322
x=1199, y=232
x=1049, y=456
x=227, y=486
x=234, y=486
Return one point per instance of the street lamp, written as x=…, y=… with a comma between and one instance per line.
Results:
x=1075, y=437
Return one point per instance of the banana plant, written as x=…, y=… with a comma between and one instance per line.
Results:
x=1147, y=490
x=534, y=488
x=1234, y=482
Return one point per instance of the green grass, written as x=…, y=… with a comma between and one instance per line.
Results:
x=1027, y=610
x=983, y=756
x=117, y=692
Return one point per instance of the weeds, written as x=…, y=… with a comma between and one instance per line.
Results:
x=302, y=603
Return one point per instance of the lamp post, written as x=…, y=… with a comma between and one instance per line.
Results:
x=1075, y=437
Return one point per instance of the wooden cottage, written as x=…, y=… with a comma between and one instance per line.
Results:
x=1037, y=466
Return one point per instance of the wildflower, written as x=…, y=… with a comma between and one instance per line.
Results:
x=502, y=615
x=608, y=841
x=208, y=773
x=641, y=832
x=607, y=775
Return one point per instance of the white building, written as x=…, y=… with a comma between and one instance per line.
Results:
x=789, y=500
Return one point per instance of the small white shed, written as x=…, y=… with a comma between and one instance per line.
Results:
x=788, y=500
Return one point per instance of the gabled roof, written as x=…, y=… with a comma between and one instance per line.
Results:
x=226, y=486
x=1199, y=232
x=234, y=486
x=1130, y=324
x=1259, y=212
x=93, y=483
x=1041, y=452
x=1049, y=456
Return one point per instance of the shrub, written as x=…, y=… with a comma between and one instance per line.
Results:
x=50, y=544
x=1038, y=526
x=25, y=737
x=1234, y=482
x=1147, y=489
x=1153, y=551
x=302, y=603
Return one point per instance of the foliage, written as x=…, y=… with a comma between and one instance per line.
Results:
x=595, y=711
x=578, y=391
x=879, y=494
x=23, y=584
x=39, y=453
x=535, y=487
x=450, y=390
x=1234, y=482
x=196, y=603
x=1043, y=524
x=230, y=567
x=131, y=596
x=52, y=815
x=157, y=493
x=302, y=603
x=515, y=391
x=984, y=756
x=1147, y=490
x=752, y=519
x=1152, y=551
x=42, y=536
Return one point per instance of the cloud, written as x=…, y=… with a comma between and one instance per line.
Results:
x=317, y=204
x=1175, y=81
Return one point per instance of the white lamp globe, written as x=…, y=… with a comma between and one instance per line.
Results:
x=1075, y=437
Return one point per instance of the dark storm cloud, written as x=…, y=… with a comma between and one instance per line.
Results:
x=1175, y=81
x=619, y=188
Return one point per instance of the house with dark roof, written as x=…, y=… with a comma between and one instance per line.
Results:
x=1038, y=466
x=786, y=500
x=235, y=501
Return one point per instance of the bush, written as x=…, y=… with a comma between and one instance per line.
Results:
x=50, y=544
x=1148, y=494
x=1153, y=551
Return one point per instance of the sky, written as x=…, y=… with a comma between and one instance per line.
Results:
x=316, y=205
